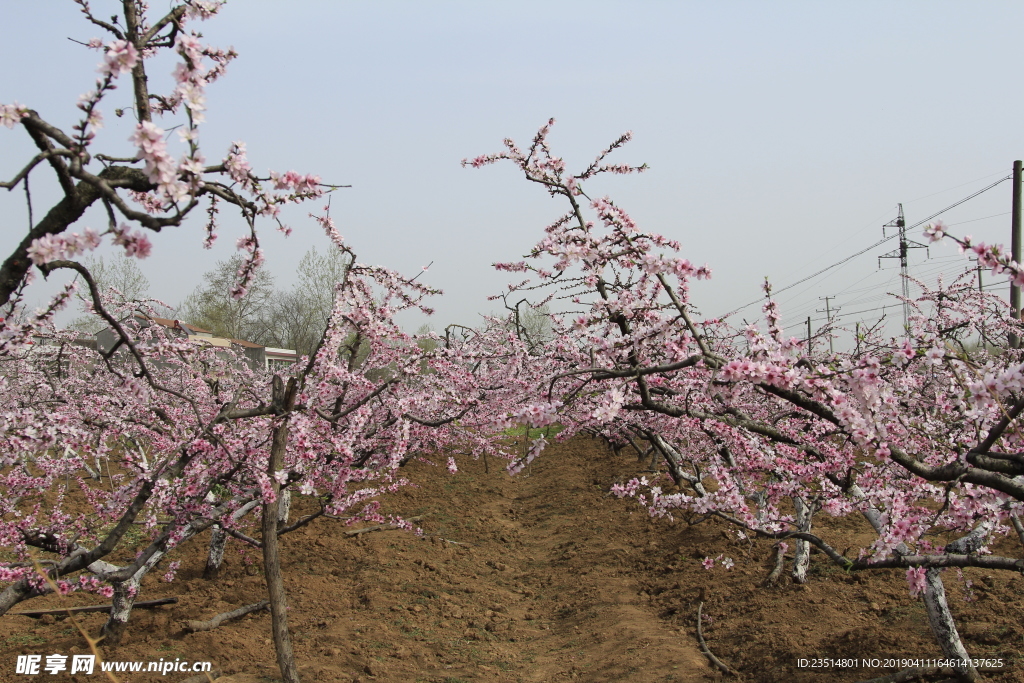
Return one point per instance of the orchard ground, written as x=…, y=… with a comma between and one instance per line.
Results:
x=540, y=577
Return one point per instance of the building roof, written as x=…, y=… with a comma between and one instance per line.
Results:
x=209, y=338
x=177, y=324
x=213, y=341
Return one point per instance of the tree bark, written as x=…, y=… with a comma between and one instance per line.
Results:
x=804, y=514
x=219, y=540
x=943, y=626
x=125, y=593
x=215, y=557
x=284, y=510
x=271, y=555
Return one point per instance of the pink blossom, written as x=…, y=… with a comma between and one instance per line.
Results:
x=172, y=570
x=121, y=57
x=45, y=249
x=203, y=9
x=916, y=580
x=11, y=114
x=935, y=231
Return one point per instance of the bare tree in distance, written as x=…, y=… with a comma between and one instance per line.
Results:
x=212, y=306
x=292, y=319
x=119, y=273
x=296, y=319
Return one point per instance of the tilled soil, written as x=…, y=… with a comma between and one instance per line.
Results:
x=540, y=577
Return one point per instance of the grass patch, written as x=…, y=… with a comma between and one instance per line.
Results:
x=535, y=433
x=24, y=639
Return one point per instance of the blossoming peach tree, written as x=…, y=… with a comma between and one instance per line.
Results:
x=159, y=435
x=920, y=434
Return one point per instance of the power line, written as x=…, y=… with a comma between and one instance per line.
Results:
x=984, y=218
x=955, y=187
x=951, y=266
x=993, y=285
x=867, y=249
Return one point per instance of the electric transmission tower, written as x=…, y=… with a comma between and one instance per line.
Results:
x=901, y=253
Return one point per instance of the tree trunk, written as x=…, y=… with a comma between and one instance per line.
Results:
x=219, y=540
x=284, y=510
x=215, y=557
x=804, y=514
x=943, y=626
x=125, y=594
x=271, y=557
x=674, y=461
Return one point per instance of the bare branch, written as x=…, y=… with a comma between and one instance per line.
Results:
x=194, y=625
x=706, y=650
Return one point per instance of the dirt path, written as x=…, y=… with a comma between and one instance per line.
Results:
x=521, y=579
x=560, y=555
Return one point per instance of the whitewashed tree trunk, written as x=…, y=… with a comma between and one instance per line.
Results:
x=125, y=594
x=943, y=626
x=219, y=540
x=285, y=507
x=804, y=514
x=215, y=556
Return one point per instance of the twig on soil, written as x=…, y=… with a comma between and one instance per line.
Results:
x=194, y=625
x=908, y=675
x=448, y=540
x=92, y=608
x=380, y=527
x=780, y=556
x=706, y=650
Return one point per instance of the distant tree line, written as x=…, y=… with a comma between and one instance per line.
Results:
x=290, y=319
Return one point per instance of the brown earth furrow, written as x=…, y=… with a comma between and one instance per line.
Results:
x=541, y=577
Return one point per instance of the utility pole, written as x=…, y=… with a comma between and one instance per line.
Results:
x=828, y=318
x=1015, y=247
x=906, y=245
x=808, y=336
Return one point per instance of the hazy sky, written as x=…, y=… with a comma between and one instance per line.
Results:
x=780, y=135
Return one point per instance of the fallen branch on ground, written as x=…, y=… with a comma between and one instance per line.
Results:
x=724, y=668
x=92, y=608
x=380, y=527
x=194, y=625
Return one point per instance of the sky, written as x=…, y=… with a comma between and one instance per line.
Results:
x=780, y=136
